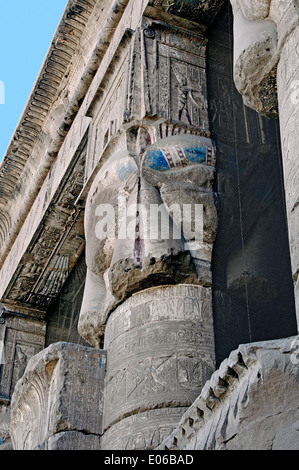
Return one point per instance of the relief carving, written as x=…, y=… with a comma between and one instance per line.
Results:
x=22, y=339
x=171, y=67
x=150, y=225
x=47, y=263
x=48, y=399
x=127, y=250
x=162, y=159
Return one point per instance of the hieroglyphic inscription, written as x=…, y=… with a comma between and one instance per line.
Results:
x=143, y=431
x=159, y=304
x=22, y=339
x=55, y=395
x=160, y=349
x=43, y=270
x=167, y=77
x=182, y=89
x=143, y=339
x=108, y=106
x=107, y=122
x=182, y=94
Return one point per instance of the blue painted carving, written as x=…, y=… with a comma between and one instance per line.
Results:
x=156, y=160
x=196, y=155
x=176, y=157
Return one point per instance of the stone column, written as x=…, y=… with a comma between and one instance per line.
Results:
x=150, y=225
x=286, y=14
x=266, y=73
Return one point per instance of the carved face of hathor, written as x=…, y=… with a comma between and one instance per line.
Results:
x=149, y=213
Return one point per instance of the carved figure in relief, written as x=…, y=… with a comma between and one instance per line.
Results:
x=187, y=90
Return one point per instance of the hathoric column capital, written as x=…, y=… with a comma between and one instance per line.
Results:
x=252, y=10
x=257, y=10
x=256, y=55
x=261, y=30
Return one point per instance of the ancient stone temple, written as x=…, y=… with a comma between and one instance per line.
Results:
x=149, y=232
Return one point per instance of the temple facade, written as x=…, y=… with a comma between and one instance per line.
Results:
x=149, y=232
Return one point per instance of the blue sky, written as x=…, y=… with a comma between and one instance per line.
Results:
x=26, y=31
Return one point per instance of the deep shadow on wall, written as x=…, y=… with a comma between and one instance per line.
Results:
x=253, y=290
x=64, y=313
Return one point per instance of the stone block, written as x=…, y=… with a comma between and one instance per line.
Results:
x=257, y=409
x=60, y=392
